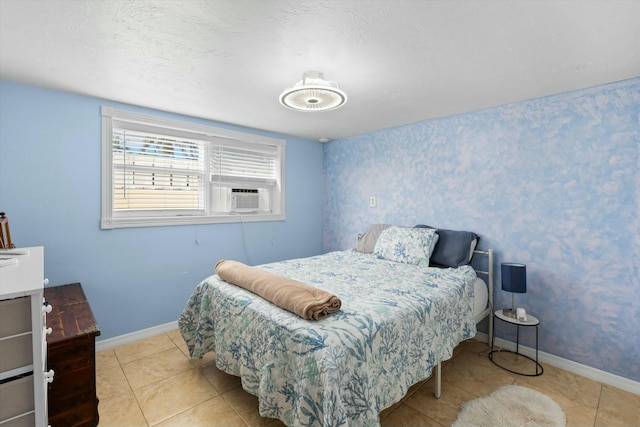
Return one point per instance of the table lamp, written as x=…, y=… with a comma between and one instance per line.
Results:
x=514, y=280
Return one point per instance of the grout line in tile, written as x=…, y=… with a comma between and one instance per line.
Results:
x=146, y=419
x=167, y=377
x=172, y=340
x=150, y=354
x=234, y=408
x=185, y=410
x=434, y=421
x=595, y=419
x=160, y=379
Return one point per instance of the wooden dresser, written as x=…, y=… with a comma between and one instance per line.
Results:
x=72, y=355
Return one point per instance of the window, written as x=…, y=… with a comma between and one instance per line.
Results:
x=165, y=172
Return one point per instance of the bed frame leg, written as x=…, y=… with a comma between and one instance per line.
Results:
x=438, y=391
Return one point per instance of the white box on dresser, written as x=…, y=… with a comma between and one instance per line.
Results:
x=23, y=376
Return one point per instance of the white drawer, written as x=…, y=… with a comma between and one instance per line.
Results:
x=16, y=352
x=15, y=316
x=28, y=420
x=16, y=397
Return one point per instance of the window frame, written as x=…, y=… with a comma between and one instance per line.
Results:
x=182, y=129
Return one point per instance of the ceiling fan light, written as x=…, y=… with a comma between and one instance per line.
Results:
x=313, y=93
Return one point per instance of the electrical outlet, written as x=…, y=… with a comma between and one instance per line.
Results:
x=373, y=202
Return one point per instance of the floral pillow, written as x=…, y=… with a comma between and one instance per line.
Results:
x=406, y=245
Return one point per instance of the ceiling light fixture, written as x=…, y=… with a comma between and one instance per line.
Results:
x=313, y=93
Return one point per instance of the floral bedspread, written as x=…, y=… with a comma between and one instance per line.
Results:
x=397, y=321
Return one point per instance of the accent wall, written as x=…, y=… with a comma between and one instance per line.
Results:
x=553, y=183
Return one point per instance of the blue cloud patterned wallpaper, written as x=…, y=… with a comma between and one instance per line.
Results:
x=552, y=182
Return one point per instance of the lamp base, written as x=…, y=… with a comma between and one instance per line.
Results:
x=508, y=312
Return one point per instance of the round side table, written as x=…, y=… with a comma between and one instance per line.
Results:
x=530, y=322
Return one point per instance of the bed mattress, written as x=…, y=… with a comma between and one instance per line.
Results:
x=396, y=323
x=480, y=297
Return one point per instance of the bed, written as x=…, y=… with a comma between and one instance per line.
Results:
x=398, y=322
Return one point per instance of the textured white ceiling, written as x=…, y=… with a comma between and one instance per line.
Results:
x=398, y=61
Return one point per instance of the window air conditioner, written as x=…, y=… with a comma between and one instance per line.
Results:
x=244, y=200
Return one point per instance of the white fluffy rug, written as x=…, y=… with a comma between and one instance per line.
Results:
x=511, y=406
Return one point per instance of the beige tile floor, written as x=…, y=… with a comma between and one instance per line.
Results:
x=153, y=382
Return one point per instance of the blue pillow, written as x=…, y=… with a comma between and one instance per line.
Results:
x=454, y=248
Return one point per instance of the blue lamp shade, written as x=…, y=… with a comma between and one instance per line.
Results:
x=514, y=277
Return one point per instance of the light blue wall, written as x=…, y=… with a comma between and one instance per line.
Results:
x=553, y=183
x=50, y=166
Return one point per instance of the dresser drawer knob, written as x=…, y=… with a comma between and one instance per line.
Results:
x=48, y=376
x=46, y=308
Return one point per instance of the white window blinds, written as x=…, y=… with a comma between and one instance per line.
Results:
x=156, y=172
x=243, y=163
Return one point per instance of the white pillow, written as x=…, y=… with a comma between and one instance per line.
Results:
x=367, y=242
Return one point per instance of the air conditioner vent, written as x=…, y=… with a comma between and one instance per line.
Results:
x=244, y=199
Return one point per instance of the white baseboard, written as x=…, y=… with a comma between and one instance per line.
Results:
x=135, y=336
x=568, y=365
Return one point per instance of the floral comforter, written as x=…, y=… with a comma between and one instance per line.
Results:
x=396, y=323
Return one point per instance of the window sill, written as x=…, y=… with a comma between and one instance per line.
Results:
x=107, y=224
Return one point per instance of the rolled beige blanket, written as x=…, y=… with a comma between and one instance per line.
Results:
x=306, y=301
